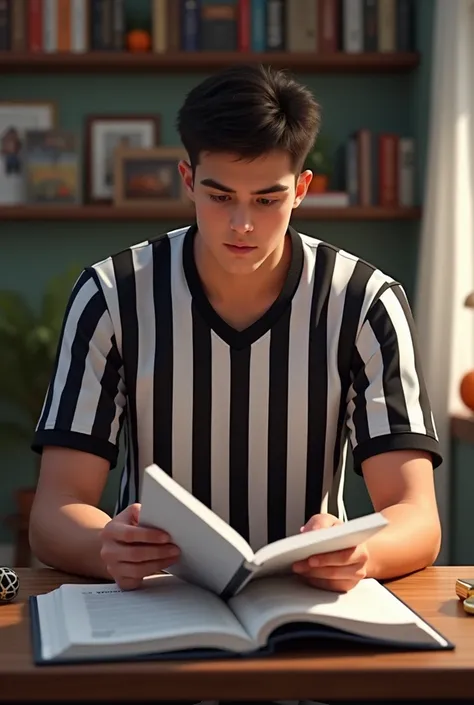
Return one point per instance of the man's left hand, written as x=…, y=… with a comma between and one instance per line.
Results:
x=339, y=571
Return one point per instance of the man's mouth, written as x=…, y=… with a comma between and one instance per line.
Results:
x=240, y=248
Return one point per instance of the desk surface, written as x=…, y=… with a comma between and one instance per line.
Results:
x=322, y=676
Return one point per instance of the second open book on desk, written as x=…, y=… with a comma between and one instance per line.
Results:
x=223, y=599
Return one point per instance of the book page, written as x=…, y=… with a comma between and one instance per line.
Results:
x=369, y=609
x=166, y=612
x=278, y=557
x=211, y=550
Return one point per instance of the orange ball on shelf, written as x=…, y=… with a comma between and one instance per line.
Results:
x=138, y=40
x=466, y=390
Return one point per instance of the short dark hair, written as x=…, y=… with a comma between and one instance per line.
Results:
x=249, y=111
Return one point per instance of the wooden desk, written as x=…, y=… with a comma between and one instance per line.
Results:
x=322, y=676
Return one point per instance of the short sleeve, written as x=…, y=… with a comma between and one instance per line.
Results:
x=85, y=400
x=388, y=405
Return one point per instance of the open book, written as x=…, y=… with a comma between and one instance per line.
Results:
x=169, y=618
x=215, y=556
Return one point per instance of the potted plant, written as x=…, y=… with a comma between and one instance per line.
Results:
x=28, y=341
x=319, y=161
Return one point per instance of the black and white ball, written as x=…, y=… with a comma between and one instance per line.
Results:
x=9, y=584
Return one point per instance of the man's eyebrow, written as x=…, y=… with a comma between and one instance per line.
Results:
x=220, y=187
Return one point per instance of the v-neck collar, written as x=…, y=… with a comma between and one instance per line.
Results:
x=234, y=338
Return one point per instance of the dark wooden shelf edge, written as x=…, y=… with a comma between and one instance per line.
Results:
x=462, y=427
x=199, y=61
x=114, y=213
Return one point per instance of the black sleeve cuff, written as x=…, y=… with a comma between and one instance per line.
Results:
x=396, y=441
x=77, y=441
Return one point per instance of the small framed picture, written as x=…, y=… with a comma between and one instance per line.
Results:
x=104, y=134
x=149, y=177
x=52, y=167
x=16, y=118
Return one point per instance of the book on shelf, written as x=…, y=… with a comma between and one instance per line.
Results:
x=319, y=26
x=221, y=599
x=379, y=169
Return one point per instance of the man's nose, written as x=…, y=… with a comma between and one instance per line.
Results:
x=240, y=221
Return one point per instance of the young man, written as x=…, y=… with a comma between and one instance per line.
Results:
x=242, y=357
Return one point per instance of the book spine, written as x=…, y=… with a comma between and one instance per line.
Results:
x=159, y=25
x=118, y=25
x=259, y=25
x=35, y=26
x=173, y=25
x=237, y=582
x=386, y=25
x=96, y=8
x=365, y=170
x=352, y=177
x=50, y=26
x=301, y=18
x=405, y=25
x=328, y=26
x=79, y=25
x=64, y=25
x=370, y=25
x=18, y=26
x=107, y=24
x=353, y=26
x=219, y=27
x=388, y=167
x=243, y=19
x=190, y=25
x=275, y=35
x=406, y=171
x=5, y=22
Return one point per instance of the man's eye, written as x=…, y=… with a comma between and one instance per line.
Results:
x=218, y=199
x=267, y=201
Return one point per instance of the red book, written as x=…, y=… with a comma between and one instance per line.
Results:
x=328, y=26
x=388, y=170
x=243, y=25
x=35, y=25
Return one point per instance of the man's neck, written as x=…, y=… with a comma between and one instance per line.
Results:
x=224, y=288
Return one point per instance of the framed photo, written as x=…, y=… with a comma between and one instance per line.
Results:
x=16, y=118
x=149, y=177
x=52, y=167
x=104, y=134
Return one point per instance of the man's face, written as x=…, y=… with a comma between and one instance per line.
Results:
x=243, y=207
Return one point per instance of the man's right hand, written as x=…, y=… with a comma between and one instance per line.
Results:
x=131, y=552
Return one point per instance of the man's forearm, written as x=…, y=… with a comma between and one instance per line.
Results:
x=410, y=542
x=68, y=538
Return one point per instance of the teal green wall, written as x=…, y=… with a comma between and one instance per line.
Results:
x=32, y=252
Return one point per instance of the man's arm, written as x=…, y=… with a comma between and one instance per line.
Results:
x=401, y=487
x=68, y=532
x=65, y=522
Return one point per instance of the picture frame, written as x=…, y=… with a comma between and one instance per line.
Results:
x=149, y=177
x=16, y=118
x=103, y=134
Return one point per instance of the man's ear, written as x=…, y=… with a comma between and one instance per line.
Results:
x=187, y=175
x=302, y=186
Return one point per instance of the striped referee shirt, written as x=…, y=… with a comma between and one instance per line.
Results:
x=255, y=423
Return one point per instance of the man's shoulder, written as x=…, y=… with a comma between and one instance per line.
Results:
x=118, y=265
x=367, y=274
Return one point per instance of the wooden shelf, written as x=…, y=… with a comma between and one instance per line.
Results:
x=120, y=62
x=123, y=213
x=462, y=427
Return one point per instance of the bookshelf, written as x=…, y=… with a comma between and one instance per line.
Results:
x=126, y=213
x=191, y=62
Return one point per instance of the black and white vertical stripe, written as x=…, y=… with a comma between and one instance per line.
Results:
x=254, y=423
